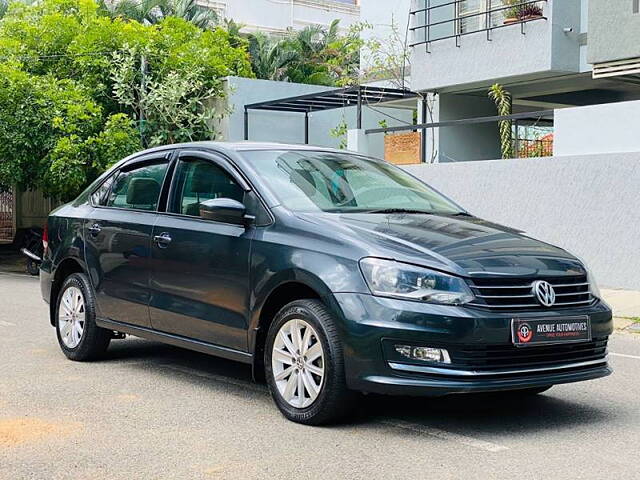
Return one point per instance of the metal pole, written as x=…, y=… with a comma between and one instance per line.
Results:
x=489, y=24
x=246, y=124
x=143, y=94
x=516, y=139
x=428, y=22
x=359, y=114
x=306, y=128
x=423, y=133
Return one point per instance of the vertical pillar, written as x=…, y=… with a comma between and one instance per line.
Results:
x=359, y=114
x=423, y=132
x=306, y=128
x=246, y=124
x=357, y=141
x=516, y=140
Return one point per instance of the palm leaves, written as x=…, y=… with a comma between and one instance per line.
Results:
x=190, y=11
x=153, y=11
x=270, y=58
x=143, y=11
x=314, y=55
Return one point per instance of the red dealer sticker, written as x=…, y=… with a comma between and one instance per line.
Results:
x=546, y=331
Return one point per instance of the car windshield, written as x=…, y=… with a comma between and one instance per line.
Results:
x=313, y=181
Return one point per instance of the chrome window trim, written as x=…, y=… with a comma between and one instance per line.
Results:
x=224, y=162
x=164, y=155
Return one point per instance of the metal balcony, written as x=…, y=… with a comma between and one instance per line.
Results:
x=441, y=20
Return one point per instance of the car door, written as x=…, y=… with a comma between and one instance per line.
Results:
x=200, y=267
x=118, y=238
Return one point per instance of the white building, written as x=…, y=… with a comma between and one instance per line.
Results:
x=276, y=16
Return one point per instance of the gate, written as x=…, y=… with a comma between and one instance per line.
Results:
x=7, y=218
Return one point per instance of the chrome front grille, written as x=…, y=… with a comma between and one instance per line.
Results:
x=517, y=293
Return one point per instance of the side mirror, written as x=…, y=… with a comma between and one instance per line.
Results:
x=225, y=210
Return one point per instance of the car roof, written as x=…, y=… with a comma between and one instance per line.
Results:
x=241, y=146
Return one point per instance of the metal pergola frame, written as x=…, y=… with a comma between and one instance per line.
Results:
x=355, y=96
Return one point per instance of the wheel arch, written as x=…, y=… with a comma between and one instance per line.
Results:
x=66, y=267
x=295, y=287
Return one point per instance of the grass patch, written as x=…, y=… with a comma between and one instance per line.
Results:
x=633, y=319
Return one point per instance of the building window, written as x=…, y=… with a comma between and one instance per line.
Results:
x=636, y=6
x=476, y=15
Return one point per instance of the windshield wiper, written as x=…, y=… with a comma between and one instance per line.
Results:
x=400, y=210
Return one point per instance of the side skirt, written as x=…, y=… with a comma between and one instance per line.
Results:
x=176, y=340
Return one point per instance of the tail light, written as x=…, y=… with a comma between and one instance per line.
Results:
x=45, y=238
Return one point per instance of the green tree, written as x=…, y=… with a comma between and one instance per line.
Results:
x=75, y=162
x=63, y=115
x=53, y=135
x=172, y=108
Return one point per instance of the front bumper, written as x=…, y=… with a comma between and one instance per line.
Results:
x=371, y=323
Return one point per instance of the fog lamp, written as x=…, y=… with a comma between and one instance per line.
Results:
x=426, y=354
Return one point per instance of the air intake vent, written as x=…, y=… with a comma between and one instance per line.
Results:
x=618, y=68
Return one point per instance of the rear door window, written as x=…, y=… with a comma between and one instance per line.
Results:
x=101, y=195
x=138, y=188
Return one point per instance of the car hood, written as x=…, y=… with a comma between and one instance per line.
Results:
x=463, y=245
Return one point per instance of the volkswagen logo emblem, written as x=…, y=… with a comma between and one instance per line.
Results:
x=544, y=292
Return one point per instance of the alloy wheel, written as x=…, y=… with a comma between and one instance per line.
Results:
x=297, y=362
x=71, y=317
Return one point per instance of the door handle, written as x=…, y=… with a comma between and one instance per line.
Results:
x=163, y=240
x=95, y=229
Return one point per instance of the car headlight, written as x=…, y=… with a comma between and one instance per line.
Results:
x=387, y=278
x=593, y=285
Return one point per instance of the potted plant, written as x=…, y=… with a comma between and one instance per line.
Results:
x=530, y=12
x=519, y=13
x=512, y=15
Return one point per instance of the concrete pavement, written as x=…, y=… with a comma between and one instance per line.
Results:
x=150, y=411
x=624, y=303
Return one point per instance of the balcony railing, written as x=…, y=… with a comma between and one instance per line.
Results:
x=444, y=19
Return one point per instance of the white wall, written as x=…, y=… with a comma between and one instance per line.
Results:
x=478, y=141
x=606, y=128
x=589, y=205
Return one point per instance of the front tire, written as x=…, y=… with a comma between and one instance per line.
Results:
x=78, y=335
x=304, y=365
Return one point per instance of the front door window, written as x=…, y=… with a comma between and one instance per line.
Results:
x=199, y=180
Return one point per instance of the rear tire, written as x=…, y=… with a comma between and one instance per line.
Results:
x=304, y=365
x=78, y=335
